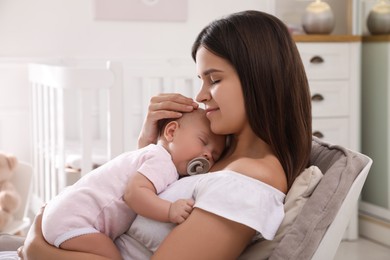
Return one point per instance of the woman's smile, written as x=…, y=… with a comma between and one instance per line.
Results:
x=210, y=111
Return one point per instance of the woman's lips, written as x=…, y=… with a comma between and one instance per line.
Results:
x=209, y=111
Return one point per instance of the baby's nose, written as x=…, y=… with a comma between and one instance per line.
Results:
x=207, y=155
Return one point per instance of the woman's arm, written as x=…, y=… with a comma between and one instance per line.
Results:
x=161, y=107
x=35, y=246
x=205, y=236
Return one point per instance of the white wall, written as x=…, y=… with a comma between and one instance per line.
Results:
x=39, y=30
x=67, y=28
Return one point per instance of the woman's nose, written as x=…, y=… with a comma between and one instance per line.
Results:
x=203, y=95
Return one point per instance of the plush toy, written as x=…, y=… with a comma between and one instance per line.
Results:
x=9, y=196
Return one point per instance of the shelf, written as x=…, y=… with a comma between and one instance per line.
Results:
x=326, y=38
x=376, y=38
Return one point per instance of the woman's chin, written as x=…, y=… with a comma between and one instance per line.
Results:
x=217, y=129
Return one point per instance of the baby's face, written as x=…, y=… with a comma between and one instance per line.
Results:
x=194, y=139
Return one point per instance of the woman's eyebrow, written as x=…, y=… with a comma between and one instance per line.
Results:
x=209, y=71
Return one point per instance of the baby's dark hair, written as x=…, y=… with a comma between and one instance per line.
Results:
x=162, y=123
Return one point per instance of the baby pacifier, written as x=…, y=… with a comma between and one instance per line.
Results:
x=198, y=165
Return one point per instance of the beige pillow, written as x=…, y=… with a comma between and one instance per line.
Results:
x=299, y=193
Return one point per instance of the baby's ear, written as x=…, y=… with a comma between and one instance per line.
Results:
x=169, y=130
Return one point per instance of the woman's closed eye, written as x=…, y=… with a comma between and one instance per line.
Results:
x=214, y=81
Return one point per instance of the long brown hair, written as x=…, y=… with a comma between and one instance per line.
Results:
x=274, y=84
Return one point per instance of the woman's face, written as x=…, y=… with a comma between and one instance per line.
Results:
x=220, y=92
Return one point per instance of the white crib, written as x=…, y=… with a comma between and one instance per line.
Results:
x=88, y=114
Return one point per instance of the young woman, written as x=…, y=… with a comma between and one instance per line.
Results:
x=254, y=88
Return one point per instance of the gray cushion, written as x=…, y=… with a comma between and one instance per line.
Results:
x=340, y=168
x=10, y=242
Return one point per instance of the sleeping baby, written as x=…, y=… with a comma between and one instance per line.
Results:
x=90, y=214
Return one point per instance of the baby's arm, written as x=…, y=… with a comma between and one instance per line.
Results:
x=140, y=195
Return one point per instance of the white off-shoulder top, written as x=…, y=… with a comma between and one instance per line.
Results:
x=241, y=199
x=225, y=193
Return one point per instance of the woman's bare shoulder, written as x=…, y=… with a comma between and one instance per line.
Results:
x=267, y=170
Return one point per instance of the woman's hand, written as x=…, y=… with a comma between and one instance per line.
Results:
x=34, y=239
x=163, y=106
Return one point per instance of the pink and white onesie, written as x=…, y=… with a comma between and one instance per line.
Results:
x=95, y=203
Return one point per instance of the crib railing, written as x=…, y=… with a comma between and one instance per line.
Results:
x=49, y=85
x=109, y=102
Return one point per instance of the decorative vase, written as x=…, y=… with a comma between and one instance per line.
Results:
x=318, y=18
x=378, y=20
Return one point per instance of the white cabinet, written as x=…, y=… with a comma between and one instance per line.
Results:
x=376, y=136
x=332, y=64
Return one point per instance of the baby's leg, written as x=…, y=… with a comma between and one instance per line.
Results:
x=96, y=243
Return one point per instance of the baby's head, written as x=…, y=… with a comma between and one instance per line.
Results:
x=189, y=137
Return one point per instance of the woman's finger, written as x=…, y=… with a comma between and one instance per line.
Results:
x=171, y=96
x=34, y=235
x=162, y=114
x=171, y=106
x=172, y=102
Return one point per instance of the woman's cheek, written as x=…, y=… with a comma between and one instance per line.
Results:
x=220, y=126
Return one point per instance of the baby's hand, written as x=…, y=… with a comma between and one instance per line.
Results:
x=180, y=210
